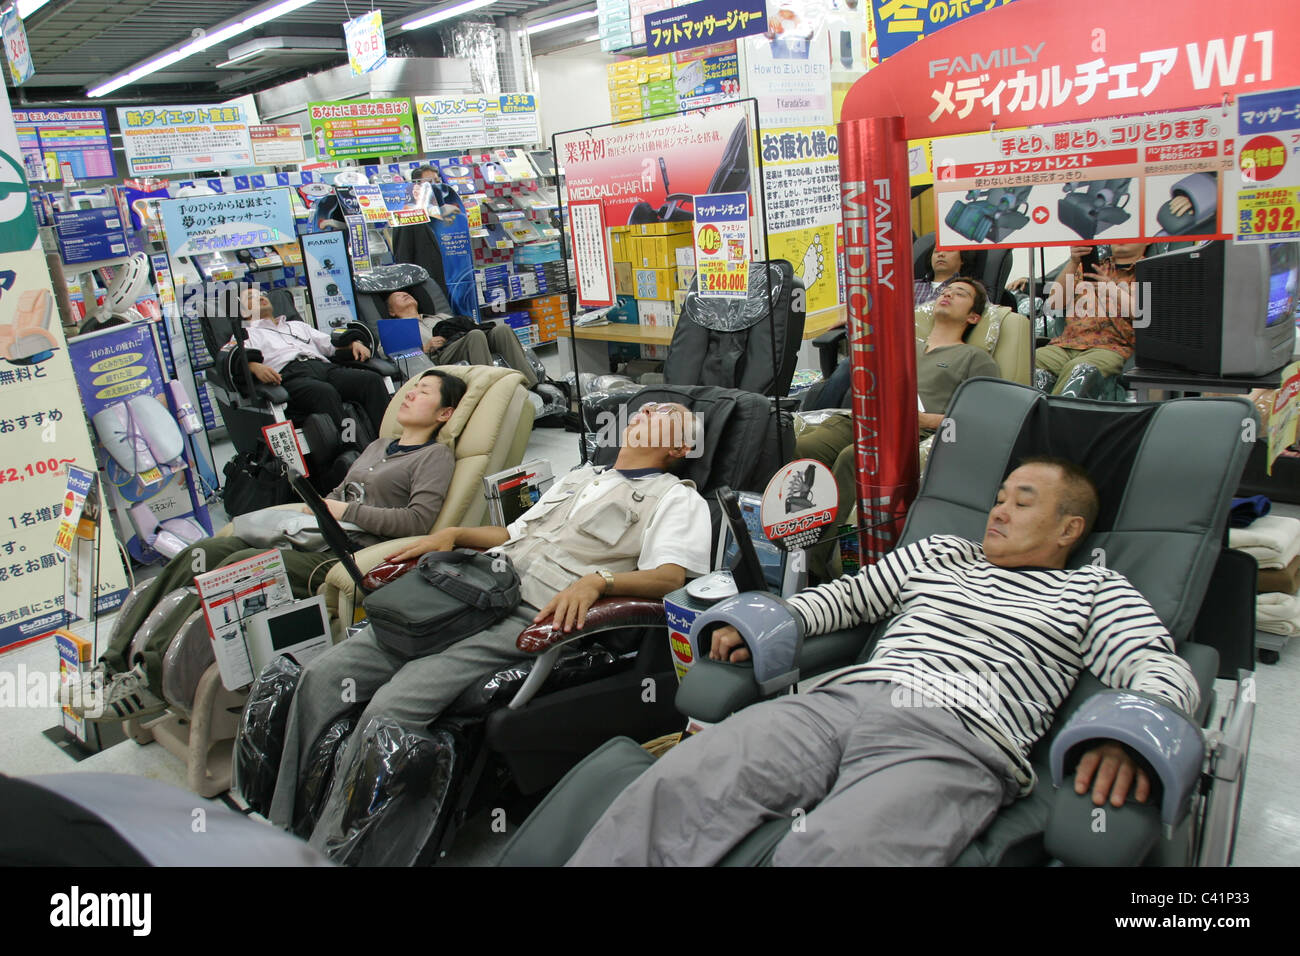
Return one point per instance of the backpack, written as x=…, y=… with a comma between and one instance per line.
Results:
x=449, y=596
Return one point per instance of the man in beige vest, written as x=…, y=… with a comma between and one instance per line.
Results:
x=634, y=529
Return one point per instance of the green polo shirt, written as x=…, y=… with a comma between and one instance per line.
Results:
x=941, y=370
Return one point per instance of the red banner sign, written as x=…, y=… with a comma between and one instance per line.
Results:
x=1043, y=61
x=882, y=329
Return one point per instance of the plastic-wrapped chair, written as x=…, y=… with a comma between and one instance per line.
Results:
x=529, y=723
x=489, y=431
x=1166, y=537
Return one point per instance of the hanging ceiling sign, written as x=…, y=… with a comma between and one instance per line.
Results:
x=708, y=21
x=365, y=39
x=899, y=25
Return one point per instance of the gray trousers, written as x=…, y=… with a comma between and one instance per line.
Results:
x=477, y=346
x=412, y=692
x=861, y=781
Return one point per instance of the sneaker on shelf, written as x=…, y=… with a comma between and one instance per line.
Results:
x=126, y=696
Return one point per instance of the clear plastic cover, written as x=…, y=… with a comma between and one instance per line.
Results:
x=384, y=805
x=735, y=315
x=317, y=773
x=571, y=669
x=260, y=740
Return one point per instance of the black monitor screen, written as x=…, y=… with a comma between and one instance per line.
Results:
x=1284, y=270
x=295, y=627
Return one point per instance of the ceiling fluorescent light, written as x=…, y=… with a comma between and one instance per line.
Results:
x=198, y=44
x=27, y=7
x=561, y=21
x=446, y=13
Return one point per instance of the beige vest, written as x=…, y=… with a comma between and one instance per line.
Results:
x=608, y=533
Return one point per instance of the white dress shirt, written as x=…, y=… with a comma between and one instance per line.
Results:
x=281, y=341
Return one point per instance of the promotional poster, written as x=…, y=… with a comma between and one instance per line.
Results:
x=648, y=173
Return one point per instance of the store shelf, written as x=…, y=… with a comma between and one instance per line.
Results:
x=621, y=332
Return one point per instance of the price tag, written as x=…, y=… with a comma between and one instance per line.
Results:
x=1274, y=213
x=282, y=439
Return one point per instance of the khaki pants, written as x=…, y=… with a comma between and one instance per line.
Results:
x=1061, y=362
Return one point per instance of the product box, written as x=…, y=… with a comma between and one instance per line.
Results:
x=684, y=276
x=619, y=243
x=655, y=283
x=660, y=312
x=662, y=229
x=686, y=256
x=626, y=313
x=624, y=279
x=679, y=300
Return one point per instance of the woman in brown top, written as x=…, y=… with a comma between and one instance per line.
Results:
x=1099, y=308
x=394, y=489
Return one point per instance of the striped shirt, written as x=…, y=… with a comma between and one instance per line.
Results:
x=999, y=648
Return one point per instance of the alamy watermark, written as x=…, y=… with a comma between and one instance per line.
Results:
x=1088, y=298
x=978, y=692
x=40, y=689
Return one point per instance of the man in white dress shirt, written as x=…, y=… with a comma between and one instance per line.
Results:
x=297, y=356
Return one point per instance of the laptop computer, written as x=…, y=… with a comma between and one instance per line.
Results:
x=400, y=339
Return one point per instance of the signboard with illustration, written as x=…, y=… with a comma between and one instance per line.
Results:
x=173, y=139
x=355, y=128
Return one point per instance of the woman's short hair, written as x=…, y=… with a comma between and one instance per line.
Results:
x=452, y=388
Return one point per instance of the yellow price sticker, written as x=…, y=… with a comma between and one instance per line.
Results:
x=1273, y=212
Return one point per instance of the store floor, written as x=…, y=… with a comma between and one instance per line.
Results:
x=1269, y=834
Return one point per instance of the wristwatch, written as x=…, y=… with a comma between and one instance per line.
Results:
x=608, y=577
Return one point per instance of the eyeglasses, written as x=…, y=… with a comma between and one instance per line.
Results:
x=658, y=408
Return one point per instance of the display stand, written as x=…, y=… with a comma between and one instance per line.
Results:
x=658, y=334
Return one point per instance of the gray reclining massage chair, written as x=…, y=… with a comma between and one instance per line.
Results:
x=1166, y=472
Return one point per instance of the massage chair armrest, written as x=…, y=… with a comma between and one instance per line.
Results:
x=606, y=614
x=828, y=348
x=713, y=690
x=1167, y=745
x=224, y=375
x=381, y=365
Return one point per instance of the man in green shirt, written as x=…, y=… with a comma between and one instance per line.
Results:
x=943, y=361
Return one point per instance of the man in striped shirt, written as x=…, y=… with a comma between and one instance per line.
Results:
x=907, y=757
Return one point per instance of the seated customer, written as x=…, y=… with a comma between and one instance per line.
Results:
x=945, y=265
x=634, y=529
x=1099, y=308
x=943, y=361
x=394, y=489
x=297, y=356
x=450, y=339
x=907, y=757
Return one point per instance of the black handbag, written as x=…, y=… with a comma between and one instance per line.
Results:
x=449, y=596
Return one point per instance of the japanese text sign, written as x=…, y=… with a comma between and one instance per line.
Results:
x=365, y=39
x=708, y=21
x=1033, y=61
x=1266, y=175
x=17, y=50
x=1112, y=180
x=357, y=128
x=903, y=22
x=169, y=139
x=468, y=122
x=77, y=137
x=722, y=245
x=203, y=224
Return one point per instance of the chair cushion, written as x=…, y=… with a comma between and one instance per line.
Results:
x=1003, y=333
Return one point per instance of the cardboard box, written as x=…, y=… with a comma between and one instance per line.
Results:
x=684, y=277
x=679, y=300
x=686, y=255
x=620, y=243
x=626, y=312
x=660, y=312
x=662, y=229
x=656, y=283
x=624, y=279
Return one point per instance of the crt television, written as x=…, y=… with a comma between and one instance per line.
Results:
x=1220, y=308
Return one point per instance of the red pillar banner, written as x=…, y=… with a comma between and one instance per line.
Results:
x=875, y=195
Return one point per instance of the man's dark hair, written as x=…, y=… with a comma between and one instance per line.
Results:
x=420, y=171
x=978, y=305
x=1078, y=491
x=451, y=388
